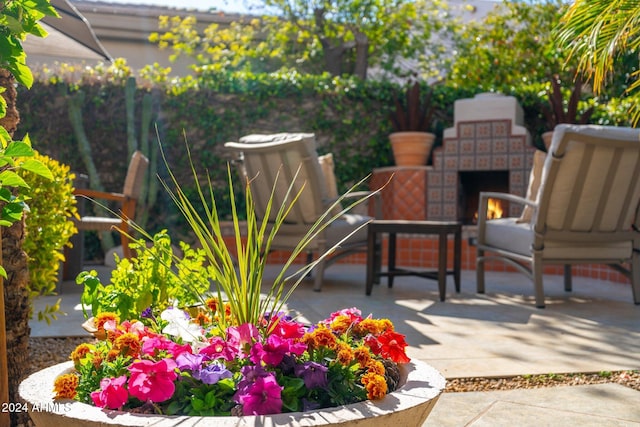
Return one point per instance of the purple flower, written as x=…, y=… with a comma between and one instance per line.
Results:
x=212, y=373
x=287, y=364
x=191, y=362
x=250, y=374
x=313, y=374
x=147, y=313
x=263, y=397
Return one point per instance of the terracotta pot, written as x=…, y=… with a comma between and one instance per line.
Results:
x=421, y=386
x=411, y=148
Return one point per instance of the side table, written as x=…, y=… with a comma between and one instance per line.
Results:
x=392, y=227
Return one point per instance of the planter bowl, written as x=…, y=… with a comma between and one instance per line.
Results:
x=421, y=386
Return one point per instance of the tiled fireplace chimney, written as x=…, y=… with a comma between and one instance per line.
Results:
x=488, y=136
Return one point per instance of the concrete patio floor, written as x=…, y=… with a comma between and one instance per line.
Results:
x=592, y=329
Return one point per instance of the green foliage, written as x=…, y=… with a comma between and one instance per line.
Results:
x=17, y=19
x=497, y=55
x=156, y=276
x=14, y=156
x=603, y=37
x=48, y=226
x=350, y=118
x=341, y=37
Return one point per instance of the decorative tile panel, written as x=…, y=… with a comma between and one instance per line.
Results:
x=466, y=130
x=483, y=162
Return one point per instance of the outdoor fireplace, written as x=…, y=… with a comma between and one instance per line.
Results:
x=488, y=149
x=474, y=182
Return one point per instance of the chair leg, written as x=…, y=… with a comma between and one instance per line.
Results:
x=480, y=271
x=567, y=278
x=635, y=276
x=536, y=270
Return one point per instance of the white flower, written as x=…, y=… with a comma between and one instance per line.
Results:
x=180, y=326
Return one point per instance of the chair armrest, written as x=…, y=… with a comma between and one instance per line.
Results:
x=95, y=194
x=507, y=197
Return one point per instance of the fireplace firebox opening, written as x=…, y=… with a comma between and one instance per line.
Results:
x=471, y=183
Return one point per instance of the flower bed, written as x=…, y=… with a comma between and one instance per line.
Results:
x=182, y=363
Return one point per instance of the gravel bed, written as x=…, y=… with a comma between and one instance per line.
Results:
x=50, y=351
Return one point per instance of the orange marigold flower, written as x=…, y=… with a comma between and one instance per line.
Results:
x=97, y=360
x=344, y=354
x=65, y=386
x=128, y=344
x=100, y=319
x=375, y=367
x=375, y=385
x=385, y=325
x=368, y=326
x=80, y=352
x=202, y=319
x=341, y=324
x=362, y=355
x=212, y=303
x=323, y=337
x=113, y=354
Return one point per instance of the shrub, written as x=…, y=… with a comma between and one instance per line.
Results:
x=48, y=227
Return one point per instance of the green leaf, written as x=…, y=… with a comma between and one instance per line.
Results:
x=3, y=112
x=12, y=179
x=12, y=212
x=5, y=195
x=19, y=149
x=20, y=70
x=14, y=25
x=37, y=167
x=3, y=272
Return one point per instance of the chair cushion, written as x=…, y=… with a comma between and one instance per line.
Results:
x=534, y=184
x=345, y=225
x=327, y=166
x=259, y=138
x=509, y=234
x=513, y=236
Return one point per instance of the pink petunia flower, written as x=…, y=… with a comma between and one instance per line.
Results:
x=151, y=345
x=219, y=349
x=242, y=336
x=112, y=394
x=286, y=328
x=262, y=397
x=353, y=314
x=152, y=381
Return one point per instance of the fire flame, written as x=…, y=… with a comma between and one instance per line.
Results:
x=494, y=210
